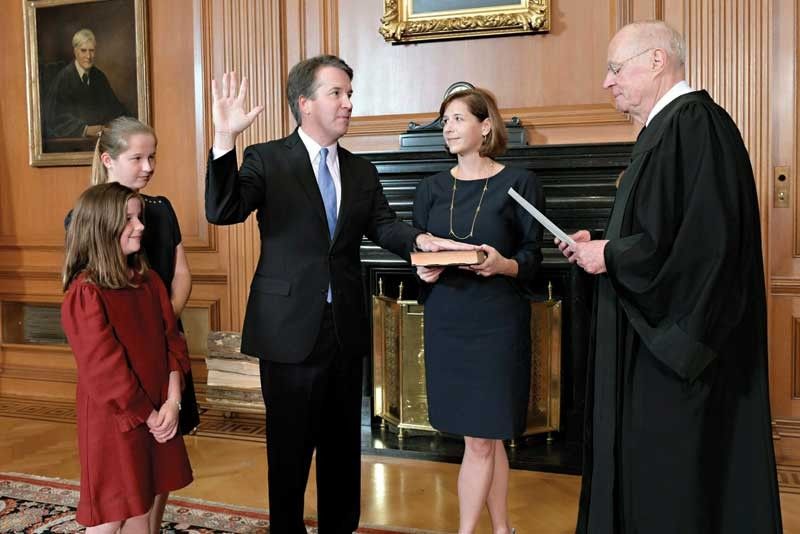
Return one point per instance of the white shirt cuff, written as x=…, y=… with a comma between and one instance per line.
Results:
x=217, y=153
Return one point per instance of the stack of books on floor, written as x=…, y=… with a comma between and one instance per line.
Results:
x=233, y=382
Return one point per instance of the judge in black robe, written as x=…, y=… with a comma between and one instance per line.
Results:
x=80, y=99
x=678, y=436
x=71, y=105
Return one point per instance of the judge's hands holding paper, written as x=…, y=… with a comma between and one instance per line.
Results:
x=587, y=253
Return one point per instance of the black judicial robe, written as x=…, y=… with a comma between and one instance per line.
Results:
x=71, y=105
x=678, y=436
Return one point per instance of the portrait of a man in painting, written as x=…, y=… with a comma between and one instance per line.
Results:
x=87, y=66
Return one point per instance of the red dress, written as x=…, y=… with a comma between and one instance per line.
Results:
x=125, y=343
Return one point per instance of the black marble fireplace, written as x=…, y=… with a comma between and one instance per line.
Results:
x=579, y=185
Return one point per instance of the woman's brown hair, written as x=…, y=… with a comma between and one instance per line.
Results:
x=114, y=138
x=483, y=105
x=93, y=238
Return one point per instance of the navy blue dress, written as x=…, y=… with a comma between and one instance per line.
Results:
x=477, y=330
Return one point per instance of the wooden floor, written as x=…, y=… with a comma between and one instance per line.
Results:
x=400, y=493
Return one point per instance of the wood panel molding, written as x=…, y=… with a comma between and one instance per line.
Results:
x=730, y=57
x=796, y=154
x=246, y=36
x=786, y=437
x=40, y=374
x=577, y=115
x=795, y=358
x=659, y=9
x=31, y=273
x=622, y=14
x=784, y=285
x=212, y=308
x=207, y=240
x=13, y=243
x=49, y=274
x=209, y=278
x=330, y=26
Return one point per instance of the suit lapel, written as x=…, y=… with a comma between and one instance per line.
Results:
x=349, y=185
x=304, y=174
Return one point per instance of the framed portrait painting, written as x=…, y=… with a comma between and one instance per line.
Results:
x=86, y=64
x=407, y=21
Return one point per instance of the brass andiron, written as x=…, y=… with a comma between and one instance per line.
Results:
x=400, y=396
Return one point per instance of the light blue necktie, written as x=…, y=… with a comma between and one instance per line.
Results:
x=328, y=190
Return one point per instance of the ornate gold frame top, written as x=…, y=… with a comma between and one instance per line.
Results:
x=401, y=24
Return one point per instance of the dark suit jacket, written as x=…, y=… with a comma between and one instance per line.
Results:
x=298, y=259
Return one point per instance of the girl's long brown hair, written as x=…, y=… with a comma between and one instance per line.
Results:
x=93, y=238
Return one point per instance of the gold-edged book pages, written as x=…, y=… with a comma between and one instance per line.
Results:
x=446, y=258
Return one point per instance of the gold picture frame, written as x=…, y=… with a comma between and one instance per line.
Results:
x=406, y=21
x=65, y=108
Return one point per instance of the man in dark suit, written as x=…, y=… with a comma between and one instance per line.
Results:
x=306, y=318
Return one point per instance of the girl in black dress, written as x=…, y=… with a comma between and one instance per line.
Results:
x=477, y=319
x=126, y=153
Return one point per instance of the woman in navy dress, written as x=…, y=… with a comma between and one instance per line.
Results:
x=477, y=319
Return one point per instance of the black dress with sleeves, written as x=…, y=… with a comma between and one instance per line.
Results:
x=477, y=330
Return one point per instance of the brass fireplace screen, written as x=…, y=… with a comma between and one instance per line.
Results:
x=400, y=396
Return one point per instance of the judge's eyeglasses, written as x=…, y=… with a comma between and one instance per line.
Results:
x=614, y=68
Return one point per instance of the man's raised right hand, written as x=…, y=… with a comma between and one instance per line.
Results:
x=227, y=111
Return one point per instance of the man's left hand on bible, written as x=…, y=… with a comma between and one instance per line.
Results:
x=431, y=243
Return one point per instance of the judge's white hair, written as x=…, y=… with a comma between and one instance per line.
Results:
x=83, y=36
x=659, y=34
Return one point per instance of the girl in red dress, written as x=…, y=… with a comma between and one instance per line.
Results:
x=130, y=356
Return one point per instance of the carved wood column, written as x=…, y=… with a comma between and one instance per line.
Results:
x=728, y=49
x=246, y=36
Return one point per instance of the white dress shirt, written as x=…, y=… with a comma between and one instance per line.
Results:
x=81, y=71
x=314, y=149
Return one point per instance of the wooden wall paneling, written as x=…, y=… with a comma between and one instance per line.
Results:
x=247, y=37
x=784, y=337
x=791, y=56
x=30, y=369
x=786, y=436
x=201, y=60
x=557, y=74
x=51, y=190
x=174, y=119
x=33, y=201
x=728, y=43
x=330, y=27
x=795, y=359
x=622, y=13
x=782, y=245
x=784, y=333
x=198, y=319
x=784, y=265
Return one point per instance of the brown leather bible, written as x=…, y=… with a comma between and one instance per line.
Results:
x=448, y=257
